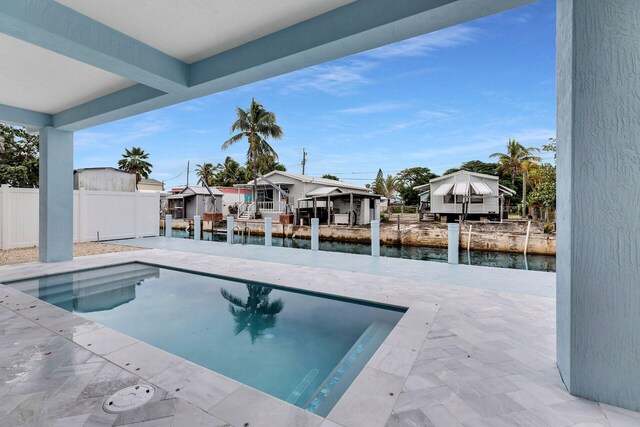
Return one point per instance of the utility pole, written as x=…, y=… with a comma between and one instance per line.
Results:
x=187, y=173
x=304, y=159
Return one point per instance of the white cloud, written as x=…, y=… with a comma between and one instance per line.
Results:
x=342, y=77
x=379, y=107
x=338, y=78
x=428, y=43
x=129, y=132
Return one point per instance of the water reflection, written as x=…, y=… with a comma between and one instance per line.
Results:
x=89, y=291
x=256, y=314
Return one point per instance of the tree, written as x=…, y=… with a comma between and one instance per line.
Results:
x=135, y=161
x=268, y=163
x=527, y=167
x=256, y=313
x=476, y=166
x=230, y=173
x=543, y=194
x=256, y=125
x=205, y=173
x=390, y=188
x=408, y=178
x=552, y=147
x=517, y=160
x=510, y=163
x=329, y=176
x=18, y=157
x=378, y=184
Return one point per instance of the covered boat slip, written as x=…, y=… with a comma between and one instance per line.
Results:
x=334, y=206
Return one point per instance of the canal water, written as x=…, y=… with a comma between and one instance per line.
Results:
x=482, y=258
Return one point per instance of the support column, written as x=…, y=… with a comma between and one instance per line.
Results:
x=56, y=195
x=366, y=211
x=598, y=124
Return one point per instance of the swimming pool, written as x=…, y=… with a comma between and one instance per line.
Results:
x=303, y=348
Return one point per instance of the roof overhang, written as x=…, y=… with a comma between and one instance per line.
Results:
x=76, y=64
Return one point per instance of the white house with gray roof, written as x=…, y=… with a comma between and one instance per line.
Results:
x=474, y=195
x=334, y=202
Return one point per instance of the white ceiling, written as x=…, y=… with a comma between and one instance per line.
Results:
x=191, y=30
x=38, y=79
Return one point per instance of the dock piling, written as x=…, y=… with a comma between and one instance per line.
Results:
x=167, y=226
x=230, y=229
x=197, y=227
x=315, y=238
x=453, y=236
x=267, y=231
x=375, y=237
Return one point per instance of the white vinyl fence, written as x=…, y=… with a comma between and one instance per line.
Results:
x=115, y=215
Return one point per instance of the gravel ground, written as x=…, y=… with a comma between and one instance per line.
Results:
x=22, y=255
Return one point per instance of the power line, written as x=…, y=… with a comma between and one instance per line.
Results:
x=175, y=177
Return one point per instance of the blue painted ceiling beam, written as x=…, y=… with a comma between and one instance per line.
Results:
x=358, y=26
x=58, y=28
x=23, y=117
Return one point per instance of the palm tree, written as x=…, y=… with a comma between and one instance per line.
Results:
x=256, y=125
x=389, y=190
x=229, y=173
x=205, y=173
x=512, y=162
x=135, y=161
x=256, y=313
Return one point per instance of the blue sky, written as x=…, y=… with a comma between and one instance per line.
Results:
x=434, y=101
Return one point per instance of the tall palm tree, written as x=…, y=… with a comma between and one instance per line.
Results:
x=512, y=162
x=205, y=173
x=256, y=313
x=135, y=161
x=256, y=125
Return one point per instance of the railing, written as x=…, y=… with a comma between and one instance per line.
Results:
x=246, y=207
x=272, y=206
x=269, y=207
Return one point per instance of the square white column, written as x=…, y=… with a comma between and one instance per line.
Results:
x=56, y=195
x=598, y=268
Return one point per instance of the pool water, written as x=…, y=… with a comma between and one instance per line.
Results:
x=302, y=348
x=473, y=257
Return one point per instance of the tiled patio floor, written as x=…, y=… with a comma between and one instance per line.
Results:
x=487, y=357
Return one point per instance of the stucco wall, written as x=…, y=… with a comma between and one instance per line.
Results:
x=599, y=199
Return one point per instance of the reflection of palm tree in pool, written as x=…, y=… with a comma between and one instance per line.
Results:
x=256, y=313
